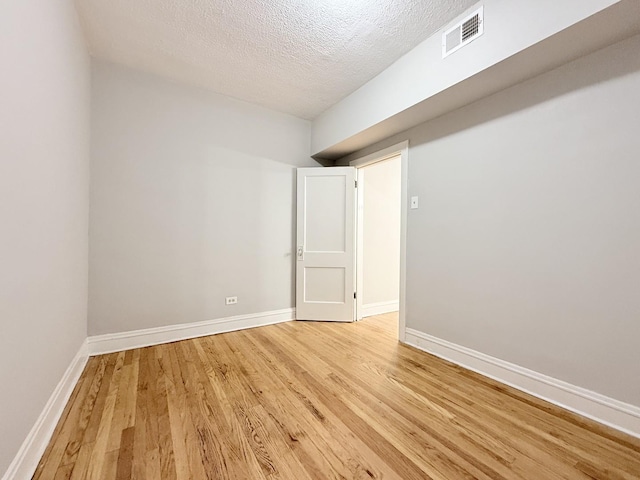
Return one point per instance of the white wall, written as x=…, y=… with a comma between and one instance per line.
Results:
x=192, y=200
x=525, y=245
x=381, y=250
x=44, y=182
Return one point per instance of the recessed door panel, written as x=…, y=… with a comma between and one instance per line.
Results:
x=325, y=214
x=324, y=284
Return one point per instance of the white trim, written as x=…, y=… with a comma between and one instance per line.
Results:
x=401, y=148
x=370, y=309
x=380, y=155
x=116, y=342
x=608, y=411
x=26, y=461
x=360, y=245
x=404, y=198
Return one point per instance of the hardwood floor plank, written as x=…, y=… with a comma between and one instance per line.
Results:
x=147, y=383
x=95, y=419
x=316, y=401
x=125, y=454
x=191, y=456
x=165, y=439
x=138, y=469
x=81, y=465
x=100, y=450
x=109, y=466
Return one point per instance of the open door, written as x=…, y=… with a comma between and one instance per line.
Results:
x=326, y=244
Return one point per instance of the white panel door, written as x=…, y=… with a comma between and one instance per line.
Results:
x=326, y=244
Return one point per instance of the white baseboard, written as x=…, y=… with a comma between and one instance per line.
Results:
x=116, y=342
x=370, y=309
x=26, y=460
x=614, y=413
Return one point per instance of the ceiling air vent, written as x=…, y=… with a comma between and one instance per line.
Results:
x=463, y=32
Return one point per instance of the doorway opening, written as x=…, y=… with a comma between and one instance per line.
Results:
x=381, y=235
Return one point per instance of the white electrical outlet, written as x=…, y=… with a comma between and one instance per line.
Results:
x=231, y=300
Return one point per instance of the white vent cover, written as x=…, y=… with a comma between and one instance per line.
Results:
x=463, y=32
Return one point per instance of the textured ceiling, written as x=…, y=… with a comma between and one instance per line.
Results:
x=295, y=56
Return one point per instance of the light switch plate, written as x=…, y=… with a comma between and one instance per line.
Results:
x=414, y=203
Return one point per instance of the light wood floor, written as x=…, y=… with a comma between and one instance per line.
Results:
x=307, y=400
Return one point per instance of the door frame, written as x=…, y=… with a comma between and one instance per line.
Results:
x=401, y=149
